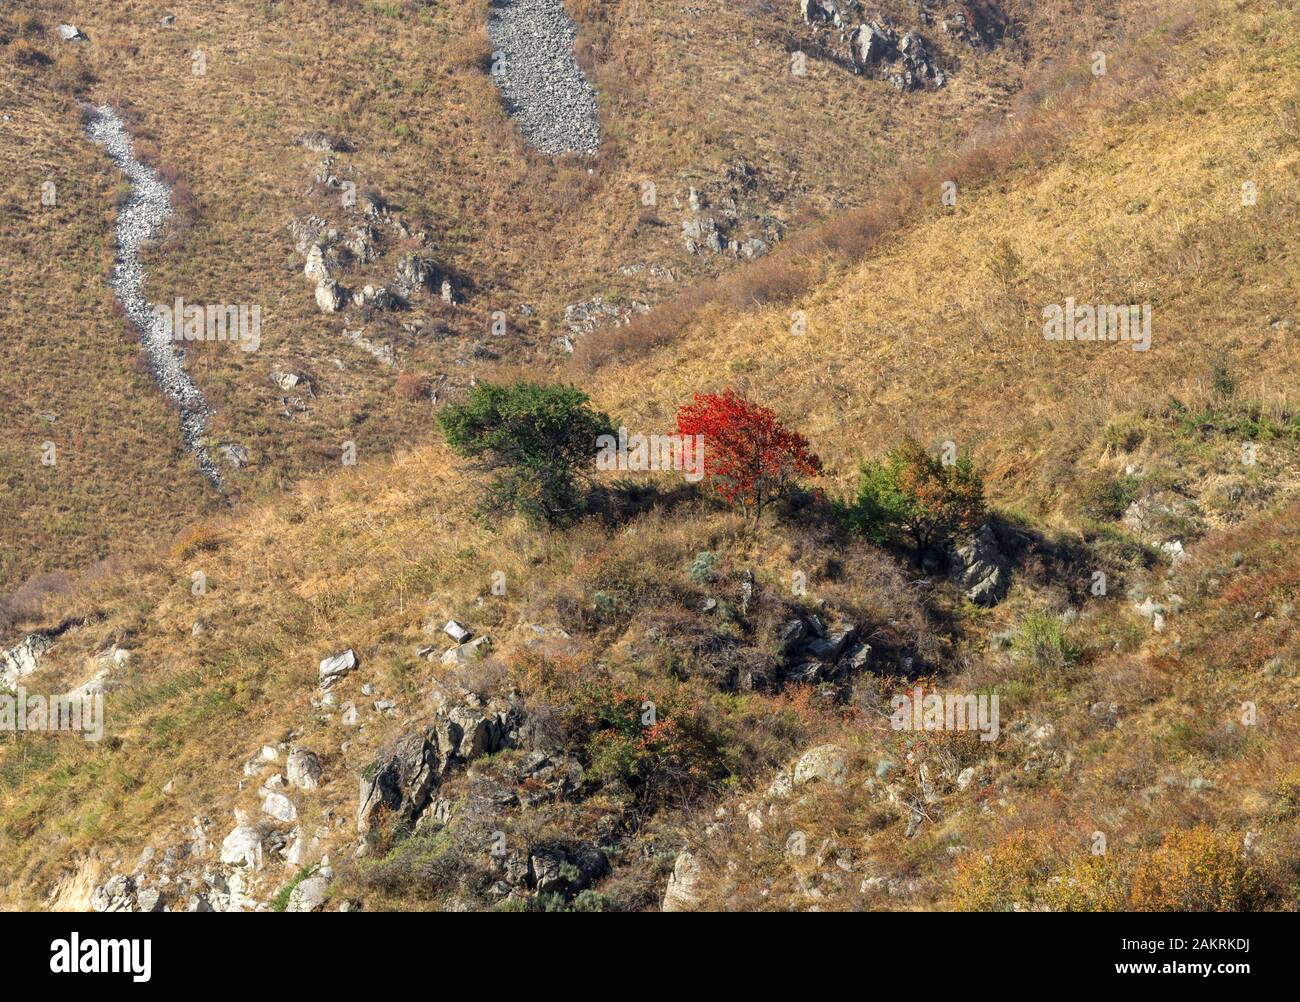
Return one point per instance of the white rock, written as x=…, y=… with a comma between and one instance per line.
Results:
x=329, y=297
x=464, y=654
x=457, y=631
x=683, y=891
x=825, y=762
x=308, y=896
x=23, y=658
x=242, y=847
x=280, y=807
x=304, y=770
x=334, y=668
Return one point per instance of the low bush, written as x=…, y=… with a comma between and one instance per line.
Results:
x=913, y=496
x=541, y=440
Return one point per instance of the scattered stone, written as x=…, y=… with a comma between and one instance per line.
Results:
x=1154, y=611
x=149, y=899
x=323, y=142
x=542, y=87
x=139, y=220
x=117, y=894
x=235, y=455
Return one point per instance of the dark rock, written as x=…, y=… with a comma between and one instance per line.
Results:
x=831, y=645
x=566, y=870
x=399, y=783
x=792, y=634
x=978, y=567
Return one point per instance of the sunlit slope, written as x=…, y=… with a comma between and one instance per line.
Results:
x=941, y=334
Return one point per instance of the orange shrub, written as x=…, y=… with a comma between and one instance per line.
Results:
x=1200, y=870
x=197, y=538
x=412, y=386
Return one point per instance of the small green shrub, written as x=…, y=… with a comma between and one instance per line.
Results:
x=1043, y=643
x=1109, y=499
x=914, y=496
x=540, y=439
x=281, y=900
x=704, y=569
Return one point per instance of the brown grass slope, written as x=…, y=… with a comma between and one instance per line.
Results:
x=940, y=333
x=365, y=557
x=683, y=94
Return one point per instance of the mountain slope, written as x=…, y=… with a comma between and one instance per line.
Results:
x=1140, y=203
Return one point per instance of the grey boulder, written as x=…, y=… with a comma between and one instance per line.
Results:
x=978, y=567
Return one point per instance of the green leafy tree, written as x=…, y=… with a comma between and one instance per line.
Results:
x=540, y=439
x=913, y=496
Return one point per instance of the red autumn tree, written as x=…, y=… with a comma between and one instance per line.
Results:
x=750, y=458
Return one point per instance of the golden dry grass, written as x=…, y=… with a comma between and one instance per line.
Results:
x=926, y=338
x=935, y=333
x=682, y=95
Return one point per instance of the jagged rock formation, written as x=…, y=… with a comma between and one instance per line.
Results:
x=23, y=658
x=977, y=566
x=357, y=234
x=904, y=59
x=722, y=219
x=978, y=23
x=399, y=785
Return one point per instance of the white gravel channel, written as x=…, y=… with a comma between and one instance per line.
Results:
x=138, y=222
x=542, y=85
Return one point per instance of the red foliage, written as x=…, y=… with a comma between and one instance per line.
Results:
x=750, y=458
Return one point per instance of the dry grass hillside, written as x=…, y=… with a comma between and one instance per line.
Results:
x=1127, y=190
x=940, y=332
x=685, y=93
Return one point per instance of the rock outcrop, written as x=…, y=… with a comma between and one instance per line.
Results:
x=684, y=885
x=812, y=652
x=842, y=30
x=23, y=658
x=397, y=787
x=977, y=565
